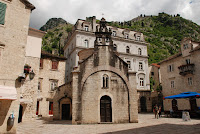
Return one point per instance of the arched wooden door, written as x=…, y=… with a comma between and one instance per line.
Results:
x=106, y=109
x=143, y=104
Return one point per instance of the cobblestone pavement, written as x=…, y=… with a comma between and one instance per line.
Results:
x=147, y=125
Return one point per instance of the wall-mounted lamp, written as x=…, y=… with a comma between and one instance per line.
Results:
x=31, y=75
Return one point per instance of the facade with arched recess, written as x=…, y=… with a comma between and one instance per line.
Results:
x=100, y=87
x=129, y=45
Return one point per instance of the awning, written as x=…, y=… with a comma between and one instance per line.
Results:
x=8, y=93
x=25, y=101
x=184, y=95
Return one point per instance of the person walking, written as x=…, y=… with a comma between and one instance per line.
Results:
x=156, y=111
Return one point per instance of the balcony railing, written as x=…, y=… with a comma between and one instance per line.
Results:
x=186, y=69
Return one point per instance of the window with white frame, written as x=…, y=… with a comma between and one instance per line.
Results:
x=172, y=84
x=139, y=51
x=126, y=36
x=40, y=84
x=190, y=81
x=127, y=49
x=171, y=68
x=105, y=81
x=185, y=46
x=140, y=66
x=53, y=84
x=86, y=43
x=138, y=38
x=86, y=28
x=129, y=64
x=114, y=33
x=141, y=82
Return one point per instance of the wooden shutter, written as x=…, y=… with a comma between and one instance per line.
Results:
x=54, y=64
x=2, y=13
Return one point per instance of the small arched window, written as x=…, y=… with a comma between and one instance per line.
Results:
x=115, y=47
x=127, y=49
x=105, y=81
x=139, y=51
x=86, y=43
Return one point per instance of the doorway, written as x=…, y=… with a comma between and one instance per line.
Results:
x=105, y=109
x=20, y=113
x=65, y=111
x=193, y=104
x=143, y=104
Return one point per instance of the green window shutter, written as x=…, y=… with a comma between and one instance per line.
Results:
x=2, y=13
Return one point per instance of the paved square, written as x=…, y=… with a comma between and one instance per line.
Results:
x=147, y=125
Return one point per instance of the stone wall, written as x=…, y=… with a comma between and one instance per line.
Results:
x=14, y=37
x=46, y=74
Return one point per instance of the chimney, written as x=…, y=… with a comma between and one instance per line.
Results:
x=94, y=24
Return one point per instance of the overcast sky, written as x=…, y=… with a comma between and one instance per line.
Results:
x=116, y=10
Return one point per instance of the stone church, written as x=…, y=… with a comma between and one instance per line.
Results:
x=100, y=90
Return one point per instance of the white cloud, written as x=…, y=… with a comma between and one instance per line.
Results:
x=117, y=10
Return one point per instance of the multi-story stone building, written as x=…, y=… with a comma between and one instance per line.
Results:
x=51, y=75
x=102, y=88
x=14, y=25
x=181, y=73
x=155, y=85
x=130, y=46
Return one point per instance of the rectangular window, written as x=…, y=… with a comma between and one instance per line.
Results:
x=86, y=28
x=185, y=46
x=190, y=81
x=172, y=84
x=2, y=13
x=152, y=73
x=141, y=82
x=171, y=68
x=114, y=33
x=54, y=64
x=138, y=38
x=50, y=108
x=54, y=84
x=129, y=64
x=187, y=61
x=140, y=66
x=41, y=63
x=37, y=108
x=40, y=84
x=126, y=36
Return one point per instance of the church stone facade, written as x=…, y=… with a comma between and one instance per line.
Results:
x=100, y=90
x=130, y=46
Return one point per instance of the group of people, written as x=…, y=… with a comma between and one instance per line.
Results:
x=157, y=111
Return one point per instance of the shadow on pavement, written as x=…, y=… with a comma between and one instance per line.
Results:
x=162, y=129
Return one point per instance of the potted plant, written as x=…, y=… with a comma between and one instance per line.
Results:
x=27, y=68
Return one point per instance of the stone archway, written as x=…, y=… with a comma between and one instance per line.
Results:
x=65, y=104
x=106, y=109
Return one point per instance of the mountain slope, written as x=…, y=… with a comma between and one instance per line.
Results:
x=57, y=32
x=163, y=33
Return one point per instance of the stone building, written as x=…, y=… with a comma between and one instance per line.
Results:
x=28, y=90
x=181, y=73
x=129, y=45
x=14, y=25
x=102, y=88
x=155, y=85
x=51, y=75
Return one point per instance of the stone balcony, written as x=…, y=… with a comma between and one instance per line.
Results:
x=186, y=69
